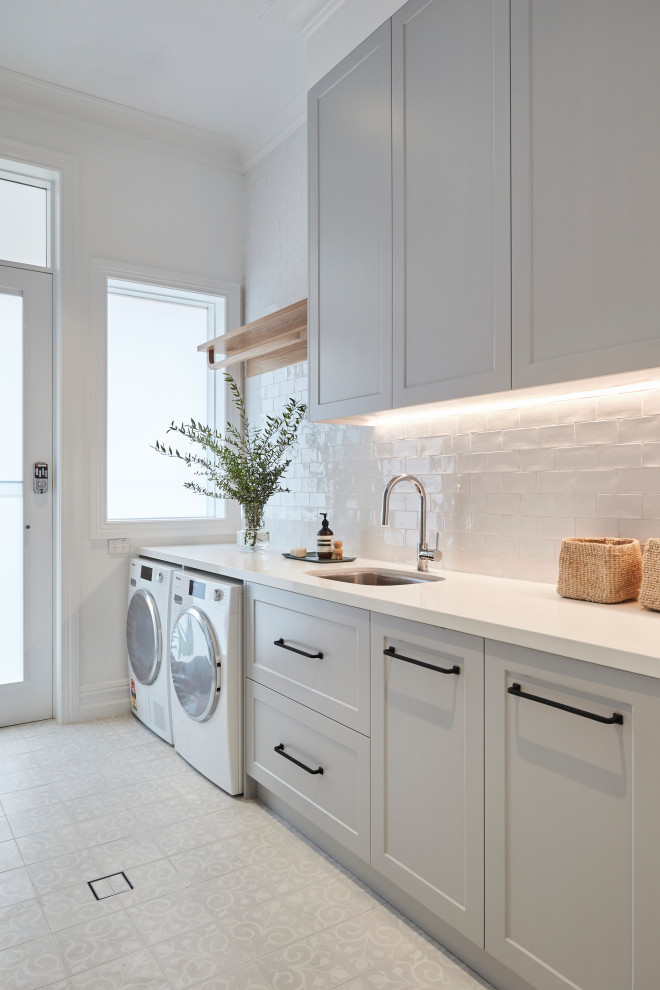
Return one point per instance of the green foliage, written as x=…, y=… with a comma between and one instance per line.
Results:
x=247, y=464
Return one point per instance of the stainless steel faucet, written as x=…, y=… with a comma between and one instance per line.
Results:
x=423, y=552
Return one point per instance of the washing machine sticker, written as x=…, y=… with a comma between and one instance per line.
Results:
x=133, y=696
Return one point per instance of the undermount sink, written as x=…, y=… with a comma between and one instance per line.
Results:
x=377, y=578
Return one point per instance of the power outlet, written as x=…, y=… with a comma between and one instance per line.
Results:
x=118, y=547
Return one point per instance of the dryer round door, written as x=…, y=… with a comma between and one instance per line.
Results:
x=195, y=664
x=144, y=636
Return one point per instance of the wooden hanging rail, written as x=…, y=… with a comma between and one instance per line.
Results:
x=272, y=342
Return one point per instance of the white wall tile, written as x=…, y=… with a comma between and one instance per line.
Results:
x=596, y=482
x=650, y=455
x=605, y=431
x=619, y=506
x=620, y=455
x=642, y=480
x=578, y=458
x=639, y=430
x=561, y=482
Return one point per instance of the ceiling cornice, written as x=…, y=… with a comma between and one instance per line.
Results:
x=25, y=93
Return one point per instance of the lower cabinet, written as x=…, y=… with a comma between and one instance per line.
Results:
x=317, y=765
x=427, y=762
x=572, y=822
x=511, y=793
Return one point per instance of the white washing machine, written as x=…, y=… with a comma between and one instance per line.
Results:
x=206, y=673
x=147, y=640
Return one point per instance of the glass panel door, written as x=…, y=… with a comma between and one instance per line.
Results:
x=26, y=633
x=11, y=486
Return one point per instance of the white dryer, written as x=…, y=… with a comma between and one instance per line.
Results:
x=206, y=673
x=147, y=625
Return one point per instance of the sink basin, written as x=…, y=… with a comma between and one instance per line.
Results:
x=377, y=578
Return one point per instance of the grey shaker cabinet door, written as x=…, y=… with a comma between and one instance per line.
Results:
x=572, y=864
x=427, y=769
x=585, y=141
x=451, y=199
x=350, y=234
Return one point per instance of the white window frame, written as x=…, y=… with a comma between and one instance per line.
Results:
x=33, y=175
x=183, y=529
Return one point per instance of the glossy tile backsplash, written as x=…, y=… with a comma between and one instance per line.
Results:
x=504, y=486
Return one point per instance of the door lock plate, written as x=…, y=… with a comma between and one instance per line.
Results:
x=40, y=478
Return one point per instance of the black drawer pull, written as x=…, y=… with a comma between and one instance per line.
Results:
x=280, y=749
x=389, y=652
x=615, y=719
x=310, y=656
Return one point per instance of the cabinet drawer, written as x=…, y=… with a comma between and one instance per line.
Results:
x=337, y=800
x=285, y=635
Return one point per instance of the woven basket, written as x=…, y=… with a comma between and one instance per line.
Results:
x=649, y=594
x=606, y=570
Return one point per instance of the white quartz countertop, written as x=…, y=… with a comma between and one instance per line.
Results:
x=523, y=613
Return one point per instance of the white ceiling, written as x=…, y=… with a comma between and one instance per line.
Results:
x=235, y=68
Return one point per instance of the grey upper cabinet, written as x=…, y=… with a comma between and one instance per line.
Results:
x=350, y=234
x=585, y=128
x=451, y=199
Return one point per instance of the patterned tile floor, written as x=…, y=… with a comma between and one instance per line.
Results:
x=226, y=896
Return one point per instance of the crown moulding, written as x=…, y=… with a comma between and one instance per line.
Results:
x=274, y=341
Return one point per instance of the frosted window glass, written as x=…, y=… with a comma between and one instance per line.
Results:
x=11, y=488
x=23, y=223
x=155, y=375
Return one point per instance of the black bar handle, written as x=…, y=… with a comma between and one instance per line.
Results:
x=280, y=749
x=310, y=656
x=389, y=652
x=615, y=718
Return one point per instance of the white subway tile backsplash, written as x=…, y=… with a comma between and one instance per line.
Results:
x=596, y=482
x=503, y=460
x=620, y=455
x=618, y=506
x=560, y=482
x=603, y=431
x=535, y=459
x=537, y=549
x=555, y=436
x=503, y=505
x=651, y=507
x=650, y=455
x=505, y=485
x=519, y=481
x=519, y=439
x=556, y=527
x=639, y=430
x=578, y=458
x=488, y=481
x=642, y=480
x=595, y=528
x=486, y=441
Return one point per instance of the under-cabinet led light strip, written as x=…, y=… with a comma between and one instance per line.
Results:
x=442, y=412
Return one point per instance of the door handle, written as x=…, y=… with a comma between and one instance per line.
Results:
x=280, y=752
x=389, y=652
x=310, y=656
x=615, y=719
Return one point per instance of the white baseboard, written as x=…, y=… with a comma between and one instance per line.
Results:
x=103, y=700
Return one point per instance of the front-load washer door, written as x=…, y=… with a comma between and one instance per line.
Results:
x=144, y=636
x=195, y=664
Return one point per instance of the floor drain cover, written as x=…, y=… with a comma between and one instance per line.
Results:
x=115, y=883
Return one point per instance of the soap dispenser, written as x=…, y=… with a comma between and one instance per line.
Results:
x=324, y=539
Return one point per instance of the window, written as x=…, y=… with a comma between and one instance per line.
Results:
x=154, y=375
x=25, y=205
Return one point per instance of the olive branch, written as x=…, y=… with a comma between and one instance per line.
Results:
x=246, y=464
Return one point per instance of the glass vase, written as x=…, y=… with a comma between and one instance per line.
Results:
x=253, y=536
